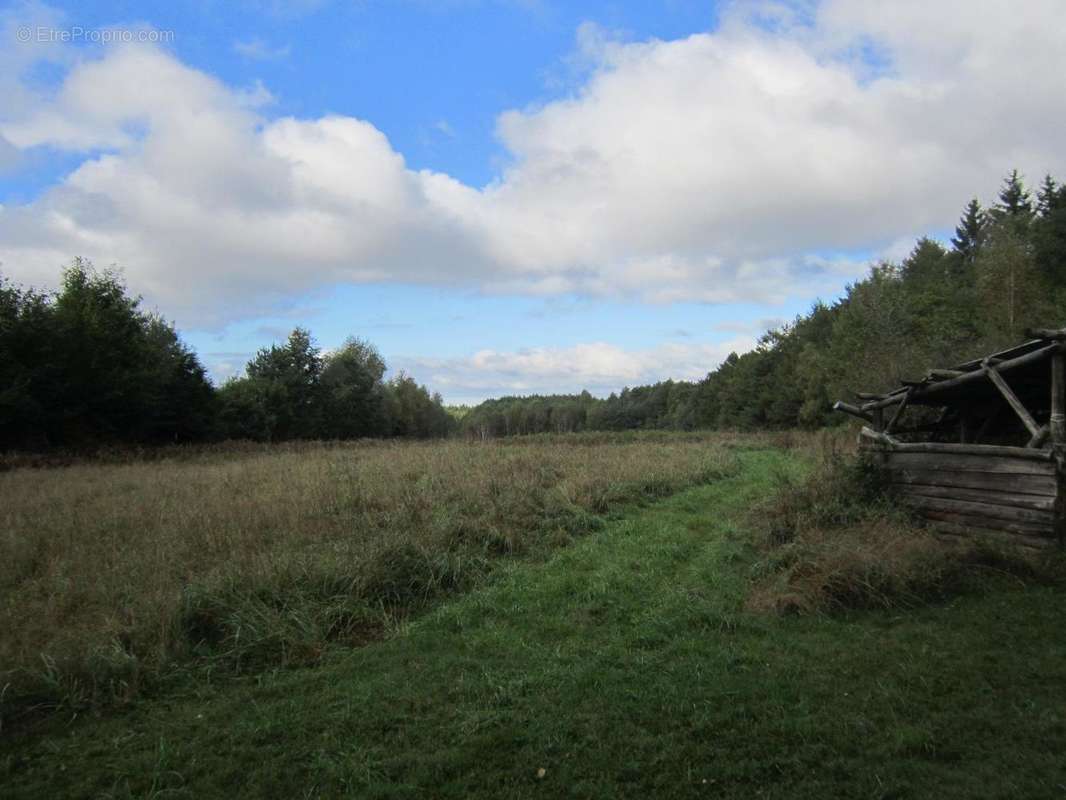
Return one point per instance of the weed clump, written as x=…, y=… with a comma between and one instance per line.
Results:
x=838, y=541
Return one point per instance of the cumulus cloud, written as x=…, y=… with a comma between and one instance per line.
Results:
x=720, y=168
x=597, y=366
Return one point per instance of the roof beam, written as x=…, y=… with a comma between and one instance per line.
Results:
x=1012, y=399
x=1058, y=335
x=934, y=388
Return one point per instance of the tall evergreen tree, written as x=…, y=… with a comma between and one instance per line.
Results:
x=1048, y=196
x=1015, y=207
x=970, y=232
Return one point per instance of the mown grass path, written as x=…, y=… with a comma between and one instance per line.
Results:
x=622, y=666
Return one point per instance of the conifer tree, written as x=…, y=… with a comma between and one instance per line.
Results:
x=1048, y=197
x=970, y=232
x=1015, y=206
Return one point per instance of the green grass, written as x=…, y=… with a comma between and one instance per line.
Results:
x=114, y=574
x=622, y=666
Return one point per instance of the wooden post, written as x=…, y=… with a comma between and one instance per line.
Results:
x=879, y=419
x=1011, y=398
x=1058, y=398
x=899, y=412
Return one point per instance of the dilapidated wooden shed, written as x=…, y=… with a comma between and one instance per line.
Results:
x=981, y=445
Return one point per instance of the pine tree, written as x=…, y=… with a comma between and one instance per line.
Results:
x=1015, y=202
x=970, y=232
x=1048, y=197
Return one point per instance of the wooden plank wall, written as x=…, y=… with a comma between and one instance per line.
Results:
x=1015, y=495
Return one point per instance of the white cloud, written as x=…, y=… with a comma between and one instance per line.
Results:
x=720, y=168
x=258, y=50
x=597, y=366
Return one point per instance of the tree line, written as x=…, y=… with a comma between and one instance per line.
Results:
x=1005, y=270
x=85, y=366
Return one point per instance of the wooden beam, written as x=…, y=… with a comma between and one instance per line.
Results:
x=945, y=374
x=1039, y=437
x=1058, y=399
x=1035, y=502
x=848, y=408
x=987, y=511
x=1012, y=399
x=898, y=413
x=933, y=389
x=1054, y=334
x=877, y=436
x=1021, y=485
x=950, y=448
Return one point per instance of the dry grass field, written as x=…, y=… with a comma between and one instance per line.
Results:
x=110, y=573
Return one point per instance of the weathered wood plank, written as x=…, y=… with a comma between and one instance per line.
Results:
x=1039, y=485
x=989, y=511
x=987, y=523
x=999, y=498
x=970, y=463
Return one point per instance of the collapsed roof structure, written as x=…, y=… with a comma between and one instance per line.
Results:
x=986, y=440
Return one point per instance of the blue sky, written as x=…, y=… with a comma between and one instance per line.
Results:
x=503, y=195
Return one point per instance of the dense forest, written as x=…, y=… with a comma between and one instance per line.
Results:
x=85, y=365
x=1004, y=271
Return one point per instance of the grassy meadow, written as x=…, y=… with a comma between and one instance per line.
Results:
x=584, y=616
x=255, y=555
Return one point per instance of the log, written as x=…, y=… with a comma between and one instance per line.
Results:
x=942, y=386
x=1029, y=485
x=1012, y=400
x=1054, y=334
x=1035, y=502
x=1004, y=355
x=988, y=511
x=898, y=413
x=950, y=448
x=971, y=463
x=1058, y=399
x=848, y=408
x=945, y=374
x=877, y=436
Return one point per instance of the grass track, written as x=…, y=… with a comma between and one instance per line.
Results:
x=623, y=666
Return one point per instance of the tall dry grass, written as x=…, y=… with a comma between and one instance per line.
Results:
x=838, y=540
x=110, y=574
